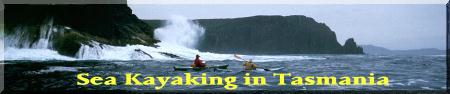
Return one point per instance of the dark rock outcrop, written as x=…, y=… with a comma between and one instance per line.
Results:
x=170, y=55
x=112, y=24
x=69, y=43
x=351, y=47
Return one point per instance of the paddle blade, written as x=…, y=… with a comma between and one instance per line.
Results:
x=235, y=55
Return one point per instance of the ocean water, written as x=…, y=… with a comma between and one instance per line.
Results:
x=404, y=72
x=41, y=68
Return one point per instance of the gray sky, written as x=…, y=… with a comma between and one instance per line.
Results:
x=393, y=26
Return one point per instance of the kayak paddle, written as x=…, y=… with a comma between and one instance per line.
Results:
x=235, y=55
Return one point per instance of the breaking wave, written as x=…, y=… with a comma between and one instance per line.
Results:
x=178, y=37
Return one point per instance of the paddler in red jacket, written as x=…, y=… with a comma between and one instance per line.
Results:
x=198, y=62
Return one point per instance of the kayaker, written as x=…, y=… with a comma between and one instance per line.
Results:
x=249, y=65
x=198, y=62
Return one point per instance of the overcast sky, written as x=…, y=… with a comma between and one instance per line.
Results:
x=392, y=26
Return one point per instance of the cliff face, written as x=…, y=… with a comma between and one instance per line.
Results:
x=112, y=24
x=272, y=35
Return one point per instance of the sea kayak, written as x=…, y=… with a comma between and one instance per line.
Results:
x=271, y=69
x=200, y=68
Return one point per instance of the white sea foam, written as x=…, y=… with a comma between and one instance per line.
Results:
x=427, y=88
x=57, y=69
x=179, y=30
x=414, y=81
x=107, y=52
x=33, y=54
